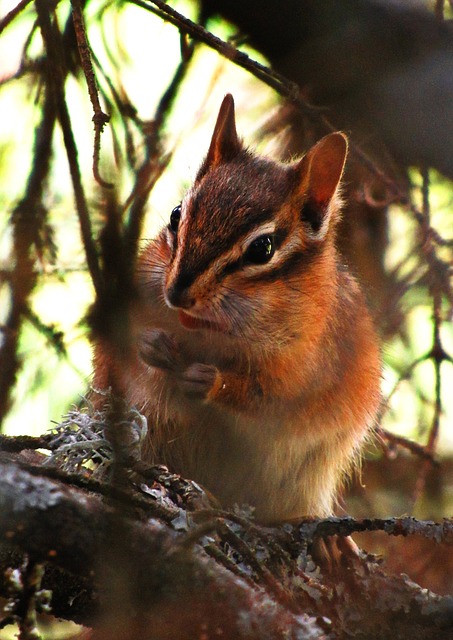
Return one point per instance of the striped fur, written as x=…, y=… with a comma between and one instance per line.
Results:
x=260, y=381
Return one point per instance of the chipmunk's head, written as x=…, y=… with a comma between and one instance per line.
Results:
x=251, y=236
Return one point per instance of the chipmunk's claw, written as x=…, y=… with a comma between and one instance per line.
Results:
x=198, y=380
x=159, y=349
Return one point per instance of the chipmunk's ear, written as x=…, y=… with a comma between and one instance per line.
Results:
x=225, y=144
x=318, y=175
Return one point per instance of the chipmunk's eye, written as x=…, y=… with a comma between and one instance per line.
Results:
x=175, y=217
x=260, y=250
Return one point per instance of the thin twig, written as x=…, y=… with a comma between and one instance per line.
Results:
x=282, y=85
x=4, y=22
x=125, y=109
x=194, y=536
x=53, y=45
x=407, y=373
x=311, y=529
x=100, y=118
x=410, y=445
x=79, y=194
x=53, y=336
x=260, y=569
x=219, y=556
x=437, y=351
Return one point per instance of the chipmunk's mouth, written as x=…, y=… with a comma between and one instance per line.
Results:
x=192, y=323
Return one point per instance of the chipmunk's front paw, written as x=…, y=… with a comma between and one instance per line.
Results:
x=159, y=349
x=199, y=380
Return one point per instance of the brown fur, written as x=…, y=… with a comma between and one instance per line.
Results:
x=268, y=397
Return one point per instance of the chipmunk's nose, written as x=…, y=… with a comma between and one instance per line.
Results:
x=177, y=293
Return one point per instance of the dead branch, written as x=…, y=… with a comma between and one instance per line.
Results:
x=11, y=15
x=100, y=119
x=273, y=79
x=74, y=531
x=439, y=532
x=54, y=50
x=281, y=84
x=146, y=561
x=379, y=79
x=392, y=441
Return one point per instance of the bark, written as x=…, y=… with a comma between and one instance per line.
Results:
x=114, y=565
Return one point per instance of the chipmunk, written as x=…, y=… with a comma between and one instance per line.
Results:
x=253, y=354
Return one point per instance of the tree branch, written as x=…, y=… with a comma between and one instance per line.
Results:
x=11, y=15
x=55, y=56
x=159, y=567
x=100, y=119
